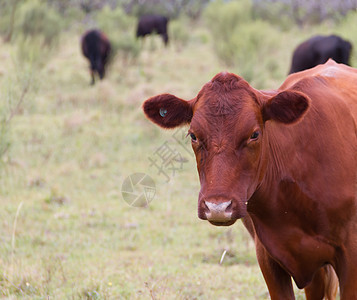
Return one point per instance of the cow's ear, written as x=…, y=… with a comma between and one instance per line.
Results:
x=286, y=107
x=168, y=111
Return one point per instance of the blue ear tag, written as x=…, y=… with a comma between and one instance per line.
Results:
x=163, y=112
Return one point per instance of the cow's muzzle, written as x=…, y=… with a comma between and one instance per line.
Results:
x=220, y=212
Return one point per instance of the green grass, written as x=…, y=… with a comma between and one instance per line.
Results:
x=65, y=231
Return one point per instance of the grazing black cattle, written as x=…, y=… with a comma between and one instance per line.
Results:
x=317, y=50
x=96, y=48
x=153, y=24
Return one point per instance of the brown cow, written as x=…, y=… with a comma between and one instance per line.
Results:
x=285, y=161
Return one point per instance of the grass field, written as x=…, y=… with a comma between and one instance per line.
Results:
x=65, y=230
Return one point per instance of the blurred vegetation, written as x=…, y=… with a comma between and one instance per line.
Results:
x=244, y=35
x=40, y=22
x=120, y=28
x=223, y=20
x=241, y=40
x=67, y=147
x=303, y=12
x=17, y=87
x=35, y=35
x=242, y=32
x=179, y=32
x=36, y=30
x=30, y=19
x=346, y=28
x=276, y=13
x=4, y=131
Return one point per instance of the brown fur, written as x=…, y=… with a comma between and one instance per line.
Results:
x=285, y=162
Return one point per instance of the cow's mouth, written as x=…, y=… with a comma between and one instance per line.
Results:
x=227, y=223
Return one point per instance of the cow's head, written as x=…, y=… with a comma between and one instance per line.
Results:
x=227, y=132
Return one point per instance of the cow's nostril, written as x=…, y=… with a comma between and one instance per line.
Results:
x=206, y=208
x=229, y=207
x=218, y=212
x=220, y=207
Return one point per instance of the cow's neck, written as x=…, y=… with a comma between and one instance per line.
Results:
x=273, y=160
x=284, y=206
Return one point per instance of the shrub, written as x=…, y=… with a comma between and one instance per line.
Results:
x=5, y=115
x=347, y=29
x=178, y=32
x=4, y=138
x=116, y=20
x=128, y=48
x=37, y=20
x=71, y=15
x=30, y=51
x=242, y=43
x=224, y=20
x=154, y=9
x=221, y=17
x=120, y=29
x=251, y=45
x=37, y=33
x=17, y=89
x=302, y=12
x=6, y=24
x=11, y=103
x=277, y=13
x=194, y=8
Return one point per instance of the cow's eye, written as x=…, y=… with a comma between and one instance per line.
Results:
x=193, y=137
x=254, y=135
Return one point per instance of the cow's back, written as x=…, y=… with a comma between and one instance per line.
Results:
x=150, y=23
x=339, y=78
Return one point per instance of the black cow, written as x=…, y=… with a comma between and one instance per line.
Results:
x=318, y=49
x=96, y=48
x=153, y=24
